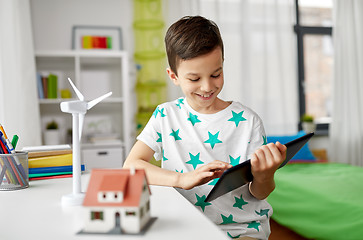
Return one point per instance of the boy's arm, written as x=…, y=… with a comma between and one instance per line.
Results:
x=141, y=154
x=265, y=161
x=139, y=157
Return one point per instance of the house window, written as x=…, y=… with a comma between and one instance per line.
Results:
x=148, y=205
x=141, y=212
x=130, y=213
x=96, y=215
x=315, y=59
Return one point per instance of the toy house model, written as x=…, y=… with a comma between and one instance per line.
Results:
x=117, y=201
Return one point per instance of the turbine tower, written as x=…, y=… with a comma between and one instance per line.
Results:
x=78, y=109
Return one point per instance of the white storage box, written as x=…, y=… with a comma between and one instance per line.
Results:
x=103, y=158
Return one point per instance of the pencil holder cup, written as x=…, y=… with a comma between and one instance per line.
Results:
x=14, y=172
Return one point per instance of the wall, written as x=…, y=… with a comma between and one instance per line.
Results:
x=52, y=20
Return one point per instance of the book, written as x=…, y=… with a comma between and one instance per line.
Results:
x=46, y=148
x=36, y=175
x=48, y=153
x=50, y=161
x=52, y=170
x=52, y=86
x=86, y=42
x=45, y=86
x=50, y=177
x=40, y=86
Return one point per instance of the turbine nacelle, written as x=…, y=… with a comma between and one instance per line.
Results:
x=74, y=107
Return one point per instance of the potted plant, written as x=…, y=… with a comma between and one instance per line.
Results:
x=307, y=123
x=51, y=134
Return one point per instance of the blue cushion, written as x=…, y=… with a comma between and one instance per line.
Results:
x=303, y=155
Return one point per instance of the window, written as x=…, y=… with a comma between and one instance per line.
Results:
x=130, y=213
x=96, y=215
x=148, y=206
x=315, y=59
x=141, y=212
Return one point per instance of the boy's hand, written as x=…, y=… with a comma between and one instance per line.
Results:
x=203, y=174
x=265, y=161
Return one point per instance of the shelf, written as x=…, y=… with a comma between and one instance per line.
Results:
x=81, y=53
x=59, y=100
x=94, y=73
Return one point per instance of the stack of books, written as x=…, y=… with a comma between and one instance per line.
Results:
x=94, y=42
x=47, y=86
x=50, y=161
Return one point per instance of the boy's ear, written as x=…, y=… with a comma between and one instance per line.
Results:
x=173, y=77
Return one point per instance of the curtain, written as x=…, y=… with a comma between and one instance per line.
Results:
x=19, y=110
x=346, y=130
x=260, y=67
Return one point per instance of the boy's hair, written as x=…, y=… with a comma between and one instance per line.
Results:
x=190, y=37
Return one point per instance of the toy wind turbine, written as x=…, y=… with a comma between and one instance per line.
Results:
x=78, y=109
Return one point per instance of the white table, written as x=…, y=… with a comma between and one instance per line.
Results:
x=37, y=213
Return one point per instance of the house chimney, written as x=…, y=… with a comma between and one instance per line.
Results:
x=132, y=170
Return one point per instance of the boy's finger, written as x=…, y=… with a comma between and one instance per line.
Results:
x=276, y=153
x=215, y=166
x=281, y=147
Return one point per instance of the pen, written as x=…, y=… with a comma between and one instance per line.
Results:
x=2, y=143
x=2, y=130
x=3, y=170
x=14, y=141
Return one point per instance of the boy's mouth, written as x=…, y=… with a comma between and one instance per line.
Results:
x=205, y=96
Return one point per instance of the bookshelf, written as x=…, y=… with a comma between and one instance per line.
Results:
x=108, y=132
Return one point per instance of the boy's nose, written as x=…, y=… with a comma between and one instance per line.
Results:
x=206, y=86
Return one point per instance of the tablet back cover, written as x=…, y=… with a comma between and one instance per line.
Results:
x=241, y=174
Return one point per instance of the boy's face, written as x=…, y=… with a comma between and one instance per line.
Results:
x=201, y=80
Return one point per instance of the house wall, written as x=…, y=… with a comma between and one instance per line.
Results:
x=144, y=201
x=129, y=223
x=99, y=226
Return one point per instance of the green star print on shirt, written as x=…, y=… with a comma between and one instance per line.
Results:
x=213, y=139
x=237, y=118
x=227, y=220
x=193, y=118
x=254, y=225
x=239, y=202
x=194, y=160
x=200, y=202
x=175, y=134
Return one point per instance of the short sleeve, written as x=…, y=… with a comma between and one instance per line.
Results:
x=151, y=135
x=258, y=137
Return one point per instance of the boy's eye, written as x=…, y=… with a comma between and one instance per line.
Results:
x=194, y=79
x=216, y=76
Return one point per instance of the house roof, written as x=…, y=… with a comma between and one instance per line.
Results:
x=115, y=180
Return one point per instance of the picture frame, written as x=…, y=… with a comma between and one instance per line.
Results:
x=96, y=38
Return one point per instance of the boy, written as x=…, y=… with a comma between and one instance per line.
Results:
x=200, y=136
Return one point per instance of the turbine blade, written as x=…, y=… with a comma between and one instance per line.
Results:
x=92, y=103
x=79, y=94
x=81, y=120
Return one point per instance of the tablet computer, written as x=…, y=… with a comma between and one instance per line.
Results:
x=241, y=174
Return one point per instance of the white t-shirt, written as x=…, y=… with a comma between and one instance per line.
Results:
x=185, y=140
